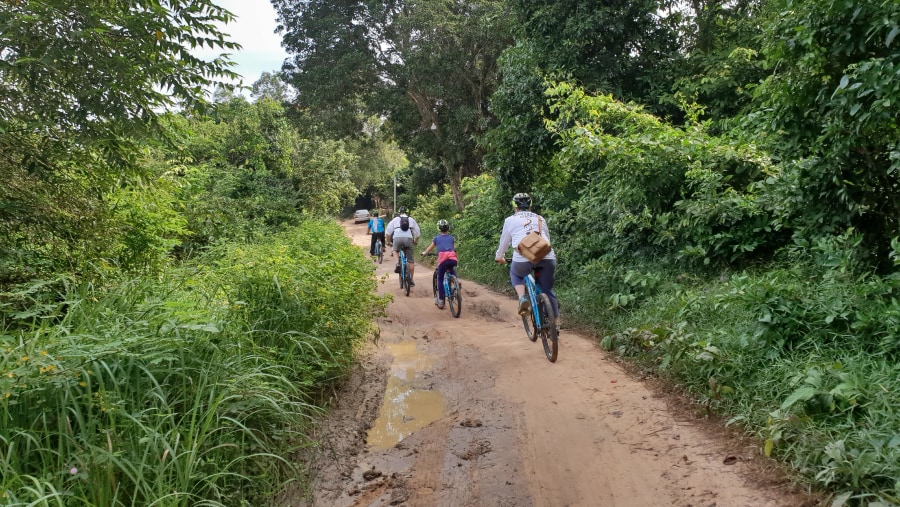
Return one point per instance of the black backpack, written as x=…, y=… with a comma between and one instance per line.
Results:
x=404, y=223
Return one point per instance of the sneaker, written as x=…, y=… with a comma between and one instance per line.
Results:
x=436, y=301
x=440, y=304
x=397, y=268
x=524, y=305
x=412, y=283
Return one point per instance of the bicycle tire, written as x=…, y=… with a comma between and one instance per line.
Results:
x=380, y=251
x=454, y=298
x=407, y=284
x=549, y=335
x=530, y=326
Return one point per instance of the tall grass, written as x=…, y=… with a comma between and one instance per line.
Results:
x=189, y=389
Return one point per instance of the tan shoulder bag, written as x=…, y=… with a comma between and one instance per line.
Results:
x=534, y=246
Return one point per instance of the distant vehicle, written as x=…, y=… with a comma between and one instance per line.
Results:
x=361, y=215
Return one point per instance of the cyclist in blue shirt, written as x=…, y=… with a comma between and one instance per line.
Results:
x=376, y=229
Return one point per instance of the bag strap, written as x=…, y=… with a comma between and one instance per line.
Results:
x=540, y=227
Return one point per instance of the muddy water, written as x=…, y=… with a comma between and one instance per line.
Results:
x=406, y=407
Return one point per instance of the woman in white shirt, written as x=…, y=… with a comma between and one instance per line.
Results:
x=515, y=227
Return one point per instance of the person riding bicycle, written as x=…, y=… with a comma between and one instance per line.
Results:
x=515, y=227
x=403, y=232
x=376, y=229
x=447, y=259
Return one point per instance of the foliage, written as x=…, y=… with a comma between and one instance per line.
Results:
x=192, y=388
x=643, y=186
x=723, y=62
x=272, y=86
x=82, y=70
x=519, y=148
x=830, y=108
x=428, y=69
x=246, y=170
x=80, y=85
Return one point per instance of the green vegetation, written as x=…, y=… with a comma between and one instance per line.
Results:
x=193, y=387
x=720, y=179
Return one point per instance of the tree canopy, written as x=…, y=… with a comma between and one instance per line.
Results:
x=428, y=67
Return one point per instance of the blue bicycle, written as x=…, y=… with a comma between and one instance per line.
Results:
x=405, y=276
x=452, y=289
x=541, y=321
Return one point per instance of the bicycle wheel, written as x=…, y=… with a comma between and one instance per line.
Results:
x=530, y=327
x=549, y=336
x=407, y=279
x=379, y=251
x=454, y=296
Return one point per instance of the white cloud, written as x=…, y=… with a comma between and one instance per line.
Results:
x=254, y=30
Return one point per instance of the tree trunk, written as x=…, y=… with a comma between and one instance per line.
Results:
x=454, y=174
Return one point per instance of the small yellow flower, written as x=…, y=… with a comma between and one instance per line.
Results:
x=43, y=352
x=24, y=358
x=8, y=394
x=83, y=384
x=10, y=375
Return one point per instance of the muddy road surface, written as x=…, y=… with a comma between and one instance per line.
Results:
x=467, y=411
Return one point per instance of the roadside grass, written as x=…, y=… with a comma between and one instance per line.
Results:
x=761, y=350
x=192, y=388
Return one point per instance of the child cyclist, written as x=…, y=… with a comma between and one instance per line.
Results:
x=447, y=259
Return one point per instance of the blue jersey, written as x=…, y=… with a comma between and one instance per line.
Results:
x=444, y=243
x=376, y=224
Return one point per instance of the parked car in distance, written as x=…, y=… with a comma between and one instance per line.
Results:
x=361, y=215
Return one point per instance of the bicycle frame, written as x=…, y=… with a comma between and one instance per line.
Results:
x=447, y=280
x=534, y=293
x=403, y=265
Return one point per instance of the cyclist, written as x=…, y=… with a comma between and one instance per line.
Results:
x=403, y=232
x=447, y=259
x=515, y=227
x=376, y=229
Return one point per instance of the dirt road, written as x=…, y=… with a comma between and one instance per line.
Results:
x=468, y=412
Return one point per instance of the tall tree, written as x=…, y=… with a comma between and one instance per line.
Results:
x=79, y=81
x=427, y=66
x=624, y=47
x=831, y=105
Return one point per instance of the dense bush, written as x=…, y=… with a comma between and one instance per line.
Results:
x=191, y=388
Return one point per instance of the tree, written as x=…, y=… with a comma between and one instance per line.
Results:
x=627, y=48
x=829, y=109
x=722, y=57
x=271, y=85
x=428, y=67
x=80, y=82
x=100, y=71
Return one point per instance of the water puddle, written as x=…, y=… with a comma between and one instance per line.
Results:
x=405, y=408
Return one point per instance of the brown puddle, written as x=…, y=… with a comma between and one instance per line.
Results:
x=405, y=408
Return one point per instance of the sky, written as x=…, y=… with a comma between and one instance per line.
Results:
x=254, y=29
